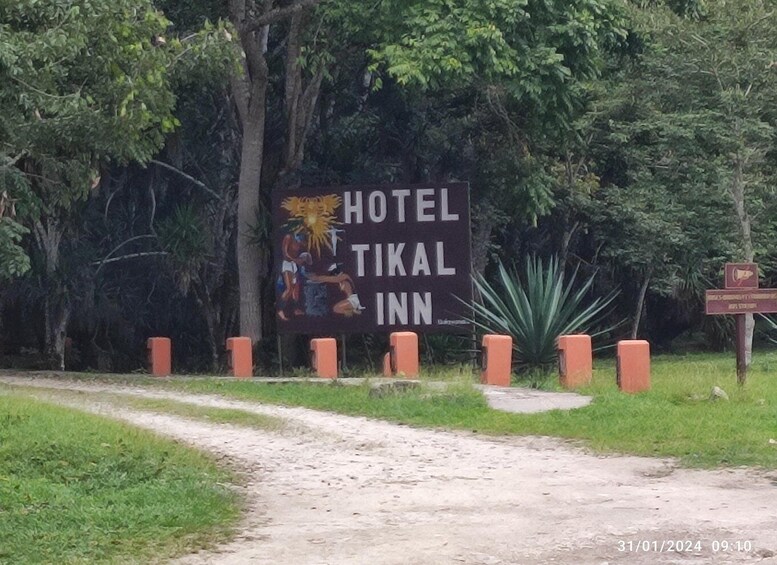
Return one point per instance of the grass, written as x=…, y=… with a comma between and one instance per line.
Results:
x=188, y=410
x=199, y=412
x=78, y=488
x=674, y=419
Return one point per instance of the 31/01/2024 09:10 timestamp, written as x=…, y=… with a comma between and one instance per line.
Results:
x=679, y=546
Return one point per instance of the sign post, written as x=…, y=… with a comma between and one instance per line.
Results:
x=741, y=296
x=741, y=345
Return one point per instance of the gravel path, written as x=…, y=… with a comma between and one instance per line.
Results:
x=344, y=490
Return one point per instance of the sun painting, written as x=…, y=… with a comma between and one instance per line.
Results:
x=314, y=216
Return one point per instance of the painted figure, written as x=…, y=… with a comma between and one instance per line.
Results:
x=290, y=283
x=350, y=304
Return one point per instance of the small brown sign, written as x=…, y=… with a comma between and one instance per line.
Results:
x=742, y=296
x=741, y=275
x=759, y=301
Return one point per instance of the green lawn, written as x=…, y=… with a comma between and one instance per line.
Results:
x=78, y=488
x=676, y=418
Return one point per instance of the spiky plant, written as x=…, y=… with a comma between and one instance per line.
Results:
x=535, y=311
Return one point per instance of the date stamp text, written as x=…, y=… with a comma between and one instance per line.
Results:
x=684, y=546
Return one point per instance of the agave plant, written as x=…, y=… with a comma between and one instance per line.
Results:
x=537, y=310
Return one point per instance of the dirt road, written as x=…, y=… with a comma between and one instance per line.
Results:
x=344, y=490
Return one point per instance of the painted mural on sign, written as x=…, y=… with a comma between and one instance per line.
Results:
x=370, y=259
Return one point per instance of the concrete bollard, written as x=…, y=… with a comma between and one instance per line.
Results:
x=575, y=360
x=323, y=353
x=404, y=354
x=159, y=356
x=240, y=357
x=633, y=365
x=497, y=360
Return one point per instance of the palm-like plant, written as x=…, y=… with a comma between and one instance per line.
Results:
x=537, y=310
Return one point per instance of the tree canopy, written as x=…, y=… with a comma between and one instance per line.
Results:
x=140, y=143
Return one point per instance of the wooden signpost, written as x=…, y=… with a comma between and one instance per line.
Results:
x=741, y=296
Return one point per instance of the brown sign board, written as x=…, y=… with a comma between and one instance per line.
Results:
x=741, y=296
x=361, y=259
x=758, y=301
x=741, y=275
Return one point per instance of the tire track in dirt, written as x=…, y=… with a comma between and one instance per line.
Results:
x=349, y=490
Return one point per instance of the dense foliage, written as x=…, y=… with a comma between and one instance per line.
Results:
x=634, y=139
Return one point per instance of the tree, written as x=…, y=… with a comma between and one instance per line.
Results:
x=85, y=84
x=701, y=120
x=528, y=64
x=425, y=117
x=14, y=261
x=537, y=49
x=253, y=20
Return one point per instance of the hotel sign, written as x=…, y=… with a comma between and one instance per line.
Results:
x=359, y=259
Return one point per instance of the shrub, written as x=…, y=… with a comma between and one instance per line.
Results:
x=535, y=311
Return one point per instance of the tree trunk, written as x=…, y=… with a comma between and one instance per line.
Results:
x=57, y=316
x=252, y=20
x=481, y=239
x=640, y=304
x=249, y=256
x=563, y=256
x=250, y=92
x=205, y=304
x=48, y=237
x=299, y=102
x=737, y=191
x=217, y=288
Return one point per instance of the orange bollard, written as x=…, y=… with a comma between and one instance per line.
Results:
x=159, y=358
x=633, y=365
x=404, y=353
x=240, y=357
x=575, y=360
x=324, y=357
x=387, y=371
x=497, y=360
